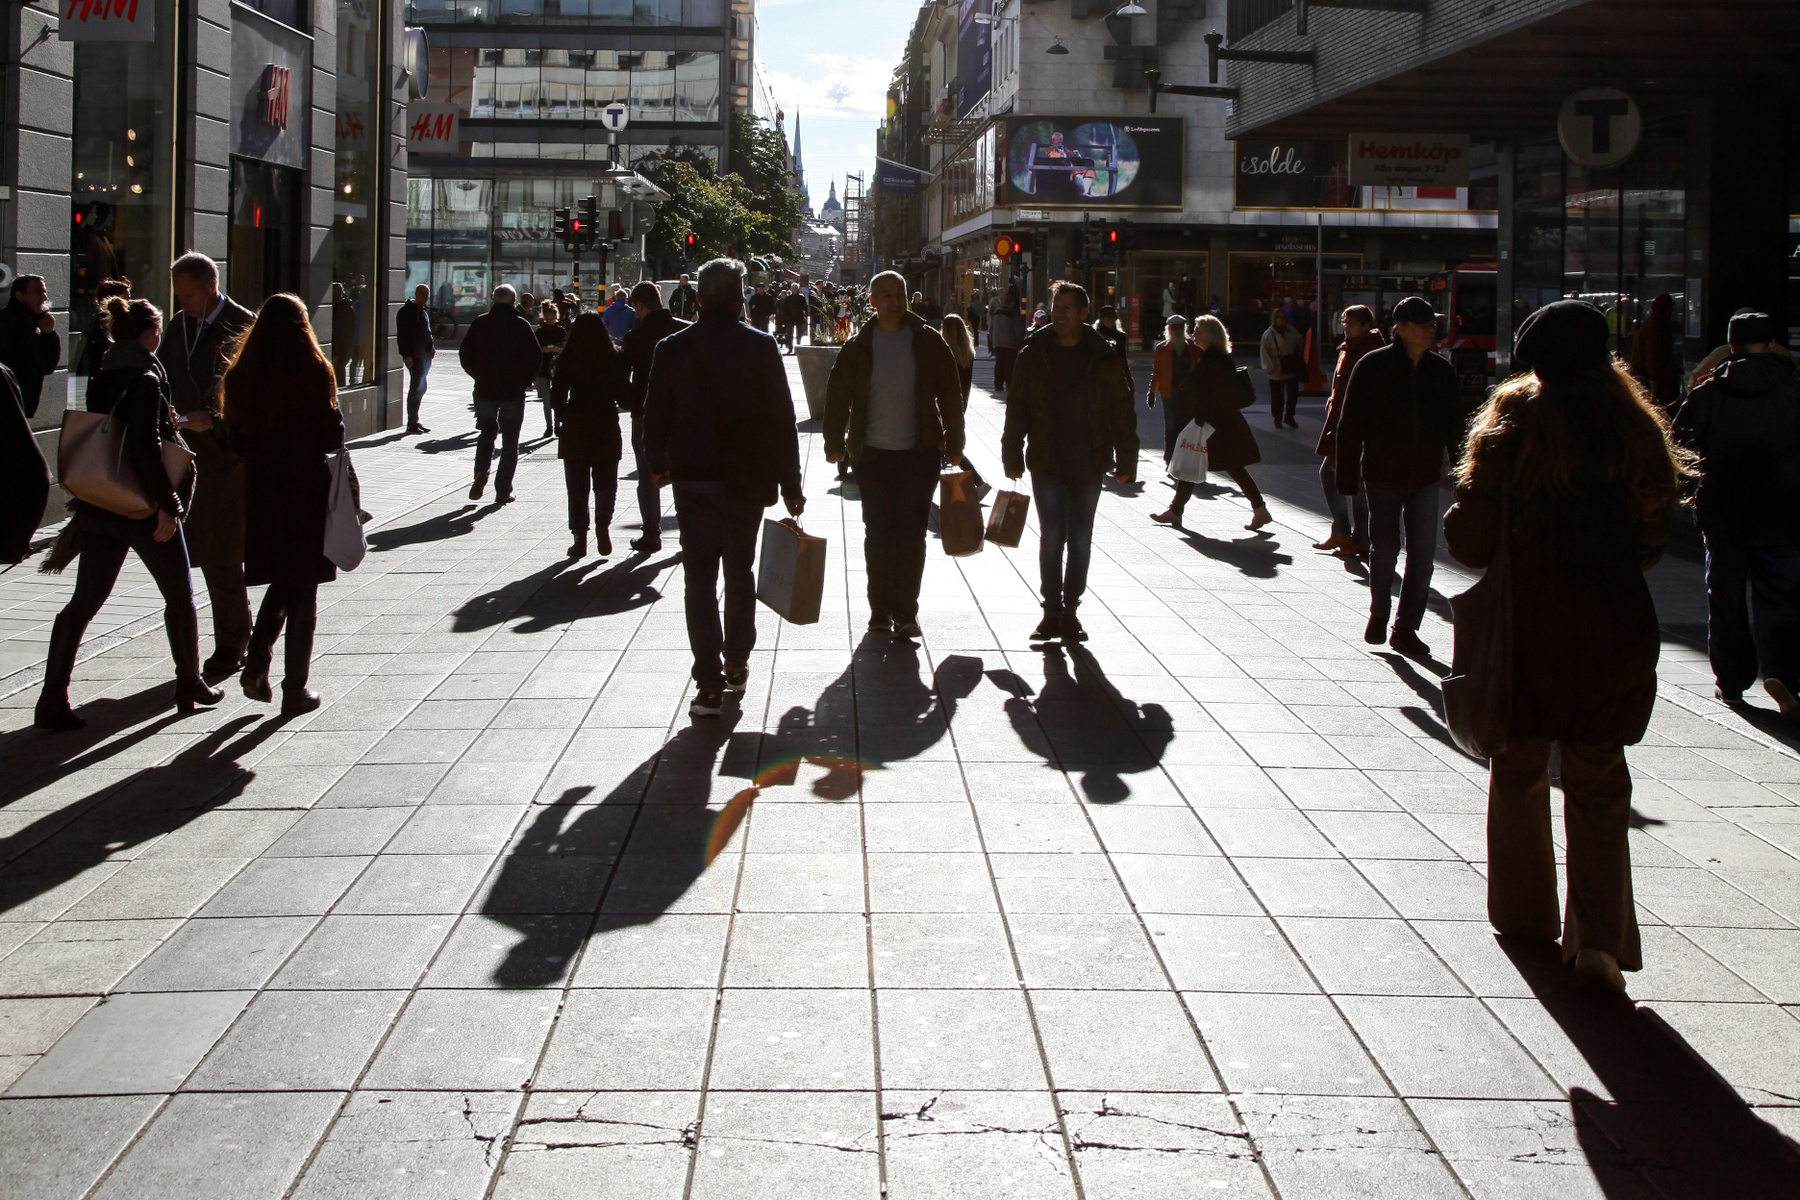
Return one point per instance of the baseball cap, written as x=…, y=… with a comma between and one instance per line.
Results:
x=1415, y=310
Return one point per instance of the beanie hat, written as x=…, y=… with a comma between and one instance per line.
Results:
x=1560, y=341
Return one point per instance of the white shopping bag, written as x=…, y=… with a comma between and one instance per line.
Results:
x=345, y=544
x=1188, y=463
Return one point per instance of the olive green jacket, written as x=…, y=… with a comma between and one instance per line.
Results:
x=1029, y=440
x=937, y=390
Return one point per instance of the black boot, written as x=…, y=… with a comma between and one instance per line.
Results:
x=303, y=616
x=183, y=625
x=53, y=710
x=255, y=679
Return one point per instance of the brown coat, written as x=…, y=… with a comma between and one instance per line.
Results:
x=1585, y=636
x=1210, y=394
x=1352, y=350
x=195, y=364
x=1162, y=367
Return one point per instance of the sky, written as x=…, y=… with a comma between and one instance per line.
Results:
x=830, y=61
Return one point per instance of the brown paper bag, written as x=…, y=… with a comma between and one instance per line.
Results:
x=959, y=514
x=1006, y=520
x=790, y=578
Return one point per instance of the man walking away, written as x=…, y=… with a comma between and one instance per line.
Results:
x=719, y=425
x=762, y=308
x=619, y=317
x=893, y=406
x=1071, y=418
x=1349, y=514
x=29, y=344
x=1006, y=334
x=654, y=323
x=500, y=353
x=1284, y=362
x=1744, y=423
x=1402, y=415
x=412, y=331
x=683, y=301
x=1108, y=328
x=194, y=353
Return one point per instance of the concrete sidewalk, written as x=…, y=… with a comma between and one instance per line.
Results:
x=1196, y=908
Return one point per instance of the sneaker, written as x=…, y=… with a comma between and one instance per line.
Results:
x=1375, y=632
x=708, y=702
x=1409, y=643
x=1071, y=628
x=736, y=679
x=907, y=631
x=1784, y=697
x=1600, y=970
x=1171, y=517
x=298, y=701
x=1258, y=518
x=1049, y=629
x=881, y=625
x=478, y=487
x=417, y=429
x=646, y=545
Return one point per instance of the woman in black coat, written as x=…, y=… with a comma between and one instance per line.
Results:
x=132, y=388
x=281, y=406
x=586, y=391
x=1210, y=394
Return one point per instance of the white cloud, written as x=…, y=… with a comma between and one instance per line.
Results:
x=836, y=85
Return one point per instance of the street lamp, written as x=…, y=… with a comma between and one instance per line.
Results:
x=1056, y=47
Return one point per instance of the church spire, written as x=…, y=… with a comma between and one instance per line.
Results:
x=800, y=169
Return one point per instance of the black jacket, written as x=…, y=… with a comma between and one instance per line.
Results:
x=719, y=409
x=412, y=331
x=684, y=302
x=27, y=351
x=24, y=476
x=500, y=353
x=762, y=309
x=586, y=402
x=133, y=389
x=1744, y=423
x=1399, y=421
x=1120, y=341
x=638, y=348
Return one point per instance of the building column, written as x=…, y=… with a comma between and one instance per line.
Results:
x=203, y=166
x=1506, y=159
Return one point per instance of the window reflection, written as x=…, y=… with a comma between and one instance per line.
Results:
x=574, y=85
x=354, y=305
x=689, y=14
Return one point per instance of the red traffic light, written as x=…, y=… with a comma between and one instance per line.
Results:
x=1018, y=247
x=692, y=240
x=576, y=225
x=1112, y=237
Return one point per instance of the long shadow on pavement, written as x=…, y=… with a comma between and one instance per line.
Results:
x=1671, y=1118
x=432, y=529
x=1082, y=723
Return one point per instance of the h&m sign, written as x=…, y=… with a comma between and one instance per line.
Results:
x=432, y=128
x=275, y=96
x=108, y=21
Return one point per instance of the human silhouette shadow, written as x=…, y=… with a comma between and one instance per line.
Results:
x=1258, y=556
x=1669, y=1124
x=455, y=441
x=1082, y=723
x=630, y=857
x=432, y=529
x=150, y=803
x=564, y=591
x=878, y=711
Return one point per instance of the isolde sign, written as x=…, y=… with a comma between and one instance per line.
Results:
x=1409, y=160
x=1278, y=161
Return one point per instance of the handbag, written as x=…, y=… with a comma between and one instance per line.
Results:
x=345, y=544
x=790, y=573
x=1478, y=690
x=1293, y=366
x=94, y=465
x=1188, y=461
x=959, y=514
x=1246, y=387
x=1006, y=521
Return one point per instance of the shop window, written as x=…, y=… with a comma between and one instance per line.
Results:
x=294, y=13
x=267, y=230
x=121, y=211
x=355, y=273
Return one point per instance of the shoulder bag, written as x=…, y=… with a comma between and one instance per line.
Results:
x=1478, y=691
x=345, y=544
x=93, y=464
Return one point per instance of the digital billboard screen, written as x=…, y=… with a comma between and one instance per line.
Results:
x=1094, y=162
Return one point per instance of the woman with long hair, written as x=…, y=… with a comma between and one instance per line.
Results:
x=281, y=404
x=1572, y=464
x=131, y=387
x=586, y=393
x=1210, y=394
x=962, y=349
x=552, y=335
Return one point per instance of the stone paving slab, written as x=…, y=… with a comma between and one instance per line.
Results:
x=1194, y=908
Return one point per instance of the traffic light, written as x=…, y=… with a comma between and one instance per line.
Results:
x=691, y=241
x=615, y=226
x=1018, y=246
x=561, y=230
x=590, y=213
x=1110, y=240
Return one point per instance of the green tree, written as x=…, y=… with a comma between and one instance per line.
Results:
x=745, y=211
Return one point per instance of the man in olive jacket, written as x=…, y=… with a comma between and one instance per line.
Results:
x=1070, y=418
x=894, y=407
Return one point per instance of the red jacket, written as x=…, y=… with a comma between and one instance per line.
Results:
x=1352, y=349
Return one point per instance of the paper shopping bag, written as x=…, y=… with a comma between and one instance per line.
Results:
x=959, y=514
x=1006, y=520
x=791, y=576
x=1188, y=463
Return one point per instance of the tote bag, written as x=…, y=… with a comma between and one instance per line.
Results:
x=959, y=514
x=1188, y=463
x=1478, y=691
x=93, y=465
x=345, y=544
x=790, y=574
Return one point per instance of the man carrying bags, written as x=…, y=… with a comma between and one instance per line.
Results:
x=893, y=406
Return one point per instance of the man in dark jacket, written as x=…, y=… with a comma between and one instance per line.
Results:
x=501, y=354
x=1744, y=423
x=893, y=407
x=654, y=323
x=684, y=301
x=24, y=476
x=762, y=308
x=412, y=333
x=29, y=345
x=719, y=425
x=1108, y=327
x=1402, y=415
x=196, y=347
x=1070, y=418
x=1349, y=514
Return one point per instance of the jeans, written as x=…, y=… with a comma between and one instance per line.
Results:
x=1752, y=612
x=1004, y=358
x=603, y=479
x=717, y=529
x=1390, y=508
x=297, y=606
x=1284, y=395
x=896, y=488
x=504, y=418
x=1349, y=514
x=415, y=390
x=1066, y=511
x=543, y=387
x=230, y=606
x=648, y=495
x=107, y=539
x=1521, y=902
